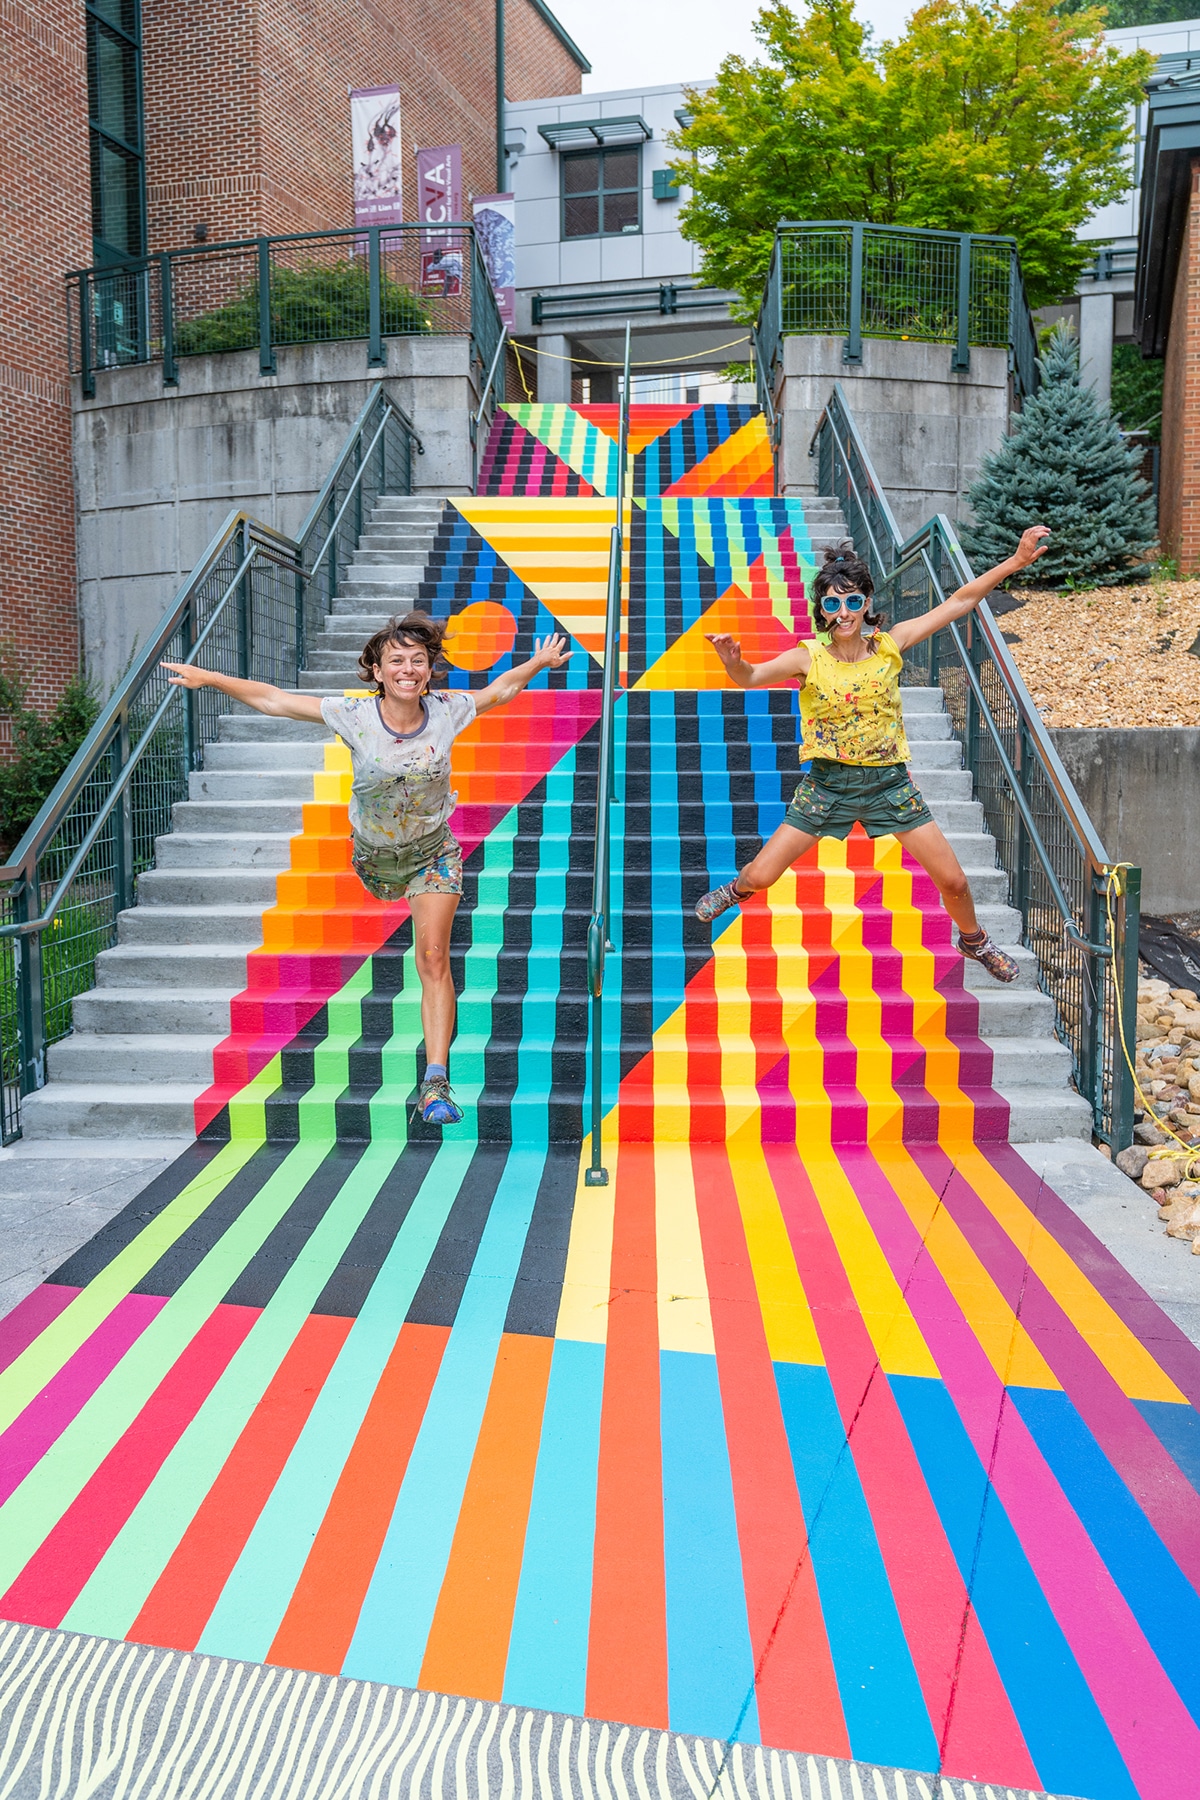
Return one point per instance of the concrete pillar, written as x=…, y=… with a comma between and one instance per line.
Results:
x=554, y=370
x=1096, y=344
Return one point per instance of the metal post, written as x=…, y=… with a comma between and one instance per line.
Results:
x=244, y=604
x=852, y=352
x=961, y=360
x=86, y=367
x=166, y=292
x=122, y=822
x=1022, y=870
x=376, y=351
x=266, y=350
x=1125, y=970
x=501, y=154
x=193, y=748
x=31, y=992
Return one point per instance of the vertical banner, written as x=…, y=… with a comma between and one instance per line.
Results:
x=375, y=147
x=495, y=227
x=439, y=200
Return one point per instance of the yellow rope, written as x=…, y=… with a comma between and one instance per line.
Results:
x=655, y=362
x=1161, y=1152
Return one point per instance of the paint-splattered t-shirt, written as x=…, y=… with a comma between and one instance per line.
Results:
x=852, y=712
x=401, y=786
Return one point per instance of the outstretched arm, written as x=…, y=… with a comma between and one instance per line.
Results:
x=548, y=653
x=277, y=703
x=965, y=599
x=793, y=665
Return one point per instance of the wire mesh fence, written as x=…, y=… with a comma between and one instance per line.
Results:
x=248, y=609
x=1060, y=879
x=265, y=293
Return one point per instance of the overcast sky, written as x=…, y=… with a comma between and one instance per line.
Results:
x=634, y=43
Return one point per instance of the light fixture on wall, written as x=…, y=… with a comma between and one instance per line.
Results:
x=200, y=233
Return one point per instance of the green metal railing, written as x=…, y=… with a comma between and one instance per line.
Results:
x=598, y=940
x=248, y=608
x=836, y=278
x=1060, y=878
x=263, y=293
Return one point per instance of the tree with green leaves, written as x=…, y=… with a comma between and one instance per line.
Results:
x=1007, y=117
x=42, y=746
x=1067, y=466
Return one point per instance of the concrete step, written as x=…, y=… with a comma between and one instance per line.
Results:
x=978, y=981
x=927, y=753
x=117, y=1011
x=944, y=785
x=922, y=700
x=173, y=967
x=1016, y=1011
x=383, y=578
x=1043, y=1115
x=245, y=727
x=402, y=561
x=70, y=1109
x=957, y=815
x=389, y=602
x=1039, y=1062
x=351, y=625
x=125, y=1057
x=325, y=660
x=250, y=755
x=271, y=817
x=251, y=784
x=206, y=887
x=224, y=924
x=235, y=849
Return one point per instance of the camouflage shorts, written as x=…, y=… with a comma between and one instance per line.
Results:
x=406, y=871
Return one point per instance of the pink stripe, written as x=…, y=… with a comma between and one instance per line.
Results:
x=1156, y=1735
x=31, y=1434
x=30, y=1317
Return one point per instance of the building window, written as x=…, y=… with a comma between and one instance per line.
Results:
x=602, y=192
x=114, y=58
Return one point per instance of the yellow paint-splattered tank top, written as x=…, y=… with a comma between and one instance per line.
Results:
x=851, y=712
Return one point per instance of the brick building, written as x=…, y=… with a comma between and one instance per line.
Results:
x=132, y=126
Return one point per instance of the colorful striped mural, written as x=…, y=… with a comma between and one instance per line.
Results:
x=825, y=1425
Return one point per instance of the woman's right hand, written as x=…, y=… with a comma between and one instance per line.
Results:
x=726, y=646
x=185, y=674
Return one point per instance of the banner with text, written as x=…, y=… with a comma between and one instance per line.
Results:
x=375, y=144
x=495, y=227
x=439, y=200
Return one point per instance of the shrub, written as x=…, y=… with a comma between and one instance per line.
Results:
x=1137, y=390
x=42, y=748
x=311, y=304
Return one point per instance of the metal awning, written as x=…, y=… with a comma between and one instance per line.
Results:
x=586, y=134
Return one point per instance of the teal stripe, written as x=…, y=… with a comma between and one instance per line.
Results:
x=393, y=1626
x=255, y=1597
x=114, y=1596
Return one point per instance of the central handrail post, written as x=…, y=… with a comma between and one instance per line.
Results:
x=596, y=1175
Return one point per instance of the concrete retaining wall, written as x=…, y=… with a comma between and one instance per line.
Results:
x=158, y=469
x=1142, y=790
x=926, y=428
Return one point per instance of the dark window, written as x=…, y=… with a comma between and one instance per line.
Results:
x=602, y=192
x=114, y=56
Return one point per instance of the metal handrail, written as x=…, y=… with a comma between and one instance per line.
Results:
x=1029, y=800
x=129, y=310
x=477, y=416
x=251, y=589
x=598, y=943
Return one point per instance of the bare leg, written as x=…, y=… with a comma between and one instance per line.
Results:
x=928, y=844
x=433, y=916
x=781, y=850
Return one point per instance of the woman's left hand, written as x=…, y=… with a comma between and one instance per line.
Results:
x=1031, y=546
x=551, y=652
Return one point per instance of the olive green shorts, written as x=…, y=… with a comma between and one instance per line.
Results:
x=406, y=871
x=835, y=796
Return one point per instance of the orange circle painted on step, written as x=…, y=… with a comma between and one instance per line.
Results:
x=480, y=634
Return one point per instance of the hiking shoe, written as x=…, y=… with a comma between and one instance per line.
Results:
x=436, y=1106
x=983, y=949
x=718, y=900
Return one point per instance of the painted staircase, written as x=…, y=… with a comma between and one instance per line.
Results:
x=825, y=1428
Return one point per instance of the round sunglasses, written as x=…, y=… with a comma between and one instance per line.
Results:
x=833, y=603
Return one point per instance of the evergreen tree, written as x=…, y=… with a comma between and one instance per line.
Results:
x=1067, y=466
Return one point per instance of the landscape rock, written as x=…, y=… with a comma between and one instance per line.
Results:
x=1146, y=1133
x=1131, y=1162
x=1159, y=1173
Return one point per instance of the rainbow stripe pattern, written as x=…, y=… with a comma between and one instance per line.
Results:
x=825, y=1425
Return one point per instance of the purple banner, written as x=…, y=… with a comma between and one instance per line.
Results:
x=375, y=146
x=495, y=228
x=439, y=200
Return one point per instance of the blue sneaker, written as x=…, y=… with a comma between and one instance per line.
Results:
x=433, y=1099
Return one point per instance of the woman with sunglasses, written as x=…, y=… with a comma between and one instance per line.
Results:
x=853, y=737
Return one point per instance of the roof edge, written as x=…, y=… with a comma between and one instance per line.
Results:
x=561, y=33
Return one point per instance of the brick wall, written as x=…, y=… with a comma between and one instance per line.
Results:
x=1179, y=469
x=247, y=114
x=45, y=229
